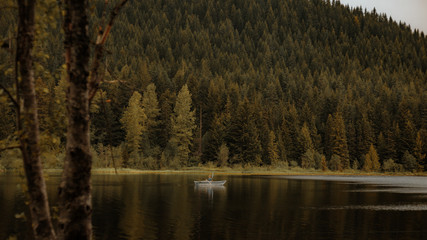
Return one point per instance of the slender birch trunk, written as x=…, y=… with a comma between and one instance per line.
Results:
x=29, y=126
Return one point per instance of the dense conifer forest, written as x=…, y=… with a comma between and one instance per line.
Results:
x=279, y=83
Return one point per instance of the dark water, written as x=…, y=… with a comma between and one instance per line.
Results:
x=165, y=206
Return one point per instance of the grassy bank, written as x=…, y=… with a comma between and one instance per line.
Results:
x=242, y=171
x=256, y=171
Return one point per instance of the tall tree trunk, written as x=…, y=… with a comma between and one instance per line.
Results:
x=28, y=124
x=75, y=189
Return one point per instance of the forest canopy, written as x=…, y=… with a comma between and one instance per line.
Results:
x=307, y=83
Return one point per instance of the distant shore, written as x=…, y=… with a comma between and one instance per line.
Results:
x=256, y=171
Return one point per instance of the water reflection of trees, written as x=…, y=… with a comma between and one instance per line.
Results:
x=9, y=205
x=171, y=207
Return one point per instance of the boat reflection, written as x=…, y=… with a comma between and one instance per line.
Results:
x=209, y=189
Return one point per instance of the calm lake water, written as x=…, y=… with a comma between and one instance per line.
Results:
x=166, y=206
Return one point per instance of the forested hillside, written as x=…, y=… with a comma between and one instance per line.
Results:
x=238, y=82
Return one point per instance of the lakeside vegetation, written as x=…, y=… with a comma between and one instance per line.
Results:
x=235, y=170
x=274, y=84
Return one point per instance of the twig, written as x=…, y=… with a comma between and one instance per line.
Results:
x=9, y=147
x=15, y=103
x=8, y=39
x=6, y=7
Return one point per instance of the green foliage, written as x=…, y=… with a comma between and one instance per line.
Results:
x=294, y=164
x=7, y=119
x=307, y=159
x=323, y=163
x=335, y=163
x=11, y=159
x=419, y=153
x=151, y=108
x=183, y=125
x=305, y=138
x=223, y=155
x=336, y=139
x=243, y=136
x=371, y=163
x=391, y=166
x=355, y=165
x=409, y=162
x=273, y=151
x=315, y=74
x=133, y=121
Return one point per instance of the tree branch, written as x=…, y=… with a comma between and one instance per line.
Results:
x=96, y=77
x=9, y=147
x=8, y=7
x=15, y=103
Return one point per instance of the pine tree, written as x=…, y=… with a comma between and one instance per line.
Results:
x=289, y=130
x=323, y=163
x=307, y=159
x=222, y=155
x=409, y=162
x=217, y=134
x=408, y=132
x=152, y=111
x=335, y=163
x=365, y=135
x=145, y=77
x=183, y=124
x=337, y=140
x=371, y=160
x=418, y=152
x=305, y=138
x=382, y=147
x=133, y=120
x=273, y=151
x=167, y=102
x=243, y=135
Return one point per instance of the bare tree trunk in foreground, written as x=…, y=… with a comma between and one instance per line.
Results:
x=75, y=219
x=28, y=124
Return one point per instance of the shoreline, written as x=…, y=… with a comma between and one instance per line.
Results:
x=243, y=172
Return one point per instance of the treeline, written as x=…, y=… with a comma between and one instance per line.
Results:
x=302, y=83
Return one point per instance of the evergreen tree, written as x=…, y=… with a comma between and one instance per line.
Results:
x=222, y=156
x=418, y=152
x=371, y=70
x=305, y=138
x=133, y=120
x=409, y=162
x=323, y=163
x=371, y=160
x=152, y=111
x=307, y=159
x=273, y=151
x=337, y=140
x=183, y=125
x=217, y=135
x=335, y=163
x=365, y=136
x=289, y=130
x=167, y=102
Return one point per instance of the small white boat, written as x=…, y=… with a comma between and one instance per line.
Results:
x=210, y=183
